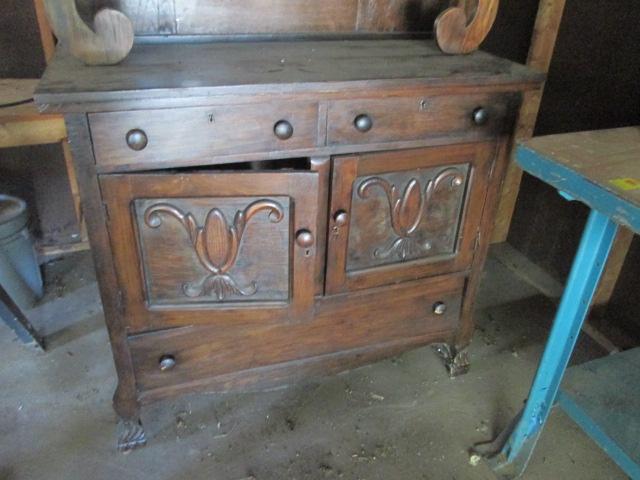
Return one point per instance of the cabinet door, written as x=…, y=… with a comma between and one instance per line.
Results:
x=404, y=215
x=205, y=248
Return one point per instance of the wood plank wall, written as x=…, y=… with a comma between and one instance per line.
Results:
x=590, y=87
x=21, y=53
x=239, y=17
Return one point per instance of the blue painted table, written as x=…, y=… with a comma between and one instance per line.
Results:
x=602, y=170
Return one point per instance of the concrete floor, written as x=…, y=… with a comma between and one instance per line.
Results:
x=398, y=419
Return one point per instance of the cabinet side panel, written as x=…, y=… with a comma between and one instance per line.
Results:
x=125, y=399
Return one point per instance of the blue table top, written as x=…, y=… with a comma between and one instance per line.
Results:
x=599, y=168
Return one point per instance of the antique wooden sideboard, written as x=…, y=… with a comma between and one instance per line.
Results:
x=262, y=211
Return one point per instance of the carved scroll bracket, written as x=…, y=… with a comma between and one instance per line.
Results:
x=461, y=28
x=108, y=43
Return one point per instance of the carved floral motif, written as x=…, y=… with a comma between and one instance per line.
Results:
x=216, y=244
x=407, y=210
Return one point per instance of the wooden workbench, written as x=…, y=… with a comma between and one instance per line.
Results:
x=22, y=125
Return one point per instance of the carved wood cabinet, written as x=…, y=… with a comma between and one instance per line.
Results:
x=261, y=212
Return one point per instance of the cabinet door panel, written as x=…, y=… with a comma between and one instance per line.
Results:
x=212, y=248
x=404, y=215
x=243, y=256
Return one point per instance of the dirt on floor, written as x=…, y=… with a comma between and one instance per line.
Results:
x=401, y=418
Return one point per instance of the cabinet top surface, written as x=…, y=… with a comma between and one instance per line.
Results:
x=181, y=70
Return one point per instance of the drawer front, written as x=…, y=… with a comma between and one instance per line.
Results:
x=188, y=135
x=213, y=248
x=341, y=323
x=398, y=216
x=397, y=119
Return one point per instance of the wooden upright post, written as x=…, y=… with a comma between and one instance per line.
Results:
x=46, y=35
x=543, y=44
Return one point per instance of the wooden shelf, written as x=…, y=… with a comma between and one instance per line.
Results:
x=23, y=125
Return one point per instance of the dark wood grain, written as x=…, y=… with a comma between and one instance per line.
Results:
x=125, y=398
x=255, y=250
x=221, y=17
x=194, y=134
x=269, y=17
x=398, y=15
x=212, y=69
x=462, y=28
x=288, y=373
x=406, y=216
x=347, y=269
x=341, y=323
x=322, y=302
x=486, y=216
x=159, y=307
x=322, y=165
x=412, y=118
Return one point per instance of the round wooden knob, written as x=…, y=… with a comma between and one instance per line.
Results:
x=167, y=362
x=305, y=238
x=363, y=123
x=283, y=130
x=439, y=308
x=137, y=139
x=341, y=218
x=480, y=116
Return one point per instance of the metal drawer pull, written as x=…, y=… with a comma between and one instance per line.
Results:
x=341, y=218
x=167, y=362
x=439, y=308
x=283, y=130
x=480, y=116
x=305, y=238
x=137, y=139
x=363, y=123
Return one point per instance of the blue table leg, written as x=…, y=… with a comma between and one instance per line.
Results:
x=587, y=269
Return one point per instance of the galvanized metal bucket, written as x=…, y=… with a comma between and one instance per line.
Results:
x=20, y=273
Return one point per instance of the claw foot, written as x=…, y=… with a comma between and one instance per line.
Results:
x=456, y=361
x=130, y=435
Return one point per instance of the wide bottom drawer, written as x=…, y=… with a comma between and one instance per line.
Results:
x=195, y=356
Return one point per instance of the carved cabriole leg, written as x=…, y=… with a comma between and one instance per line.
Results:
x=125, y=399
x=130, y=431
x=456, y=361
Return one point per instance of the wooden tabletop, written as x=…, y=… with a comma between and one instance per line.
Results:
x=23, y=124
x=181, y=70
x=600, y=168
x=14, y=90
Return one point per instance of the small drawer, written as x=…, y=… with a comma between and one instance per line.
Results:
x=401, y=119
x=138, y=139
x=426, y=311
